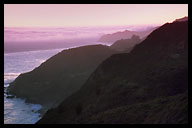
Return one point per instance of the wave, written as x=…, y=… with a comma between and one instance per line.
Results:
x=17, y=111
x=9, y=77
x=11, y=74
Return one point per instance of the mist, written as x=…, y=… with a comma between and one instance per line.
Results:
x=41, y=38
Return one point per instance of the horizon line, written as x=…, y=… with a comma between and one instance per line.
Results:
x=84, y=26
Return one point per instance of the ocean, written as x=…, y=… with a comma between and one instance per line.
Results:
x=16, y=110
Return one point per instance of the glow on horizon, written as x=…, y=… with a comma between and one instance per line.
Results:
x=77, y=15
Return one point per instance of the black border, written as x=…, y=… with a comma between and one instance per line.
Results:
x=95, y=2
x=2, y=2
x=2, y=54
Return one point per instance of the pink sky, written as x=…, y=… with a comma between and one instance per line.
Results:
x=62, y=15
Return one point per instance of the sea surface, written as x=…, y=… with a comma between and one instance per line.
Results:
x=16, y=110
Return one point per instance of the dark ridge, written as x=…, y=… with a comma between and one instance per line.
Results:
x=149, y=85
x=59, y=76
x=126, y=45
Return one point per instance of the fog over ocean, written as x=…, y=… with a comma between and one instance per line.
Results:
x=27, y=48
x=31, y=39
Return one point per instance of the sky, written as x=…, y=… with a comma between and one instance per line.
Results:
x=69, y=15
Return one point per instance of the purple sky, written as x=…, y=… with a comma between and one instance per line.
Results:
x=68, y=15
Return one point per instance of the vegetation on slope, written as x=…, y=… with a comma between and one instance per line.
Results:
x=149, y=85
x=59, y=76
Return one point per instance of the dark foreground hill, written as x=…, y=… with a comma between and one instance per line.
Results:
x=149, y=85
x=59, y=76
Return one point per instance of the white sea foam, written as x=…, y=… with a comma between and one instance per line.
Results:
x=16, y=111
x=9, y=77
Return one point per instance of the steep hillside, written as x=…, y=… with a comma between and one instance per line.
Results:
x=126, y=44
x=149, y=85
x=59, y=76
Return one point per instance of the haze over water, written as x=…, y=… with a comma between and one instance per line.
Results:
x=42, y=26
x=42, y=31
x=27, y=39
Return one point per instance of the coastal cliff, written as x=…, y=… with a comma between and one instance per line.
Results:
x=59, y=76
x=148, y=85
